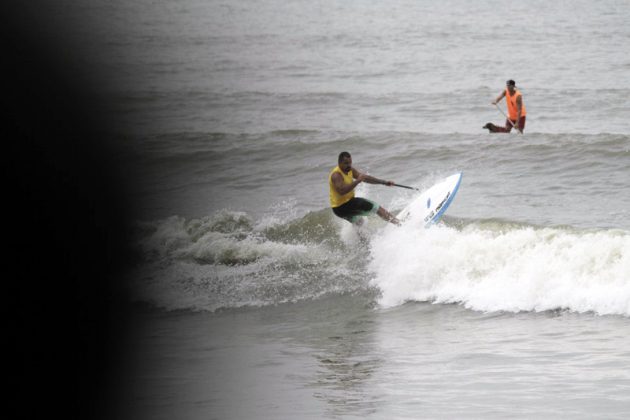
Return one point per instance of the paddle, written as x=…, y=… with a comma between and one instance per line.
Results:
x=405, y=186
x=402, y=186
x=506, y=117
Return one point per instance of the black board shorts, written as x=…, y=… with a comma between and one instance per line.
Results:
x=355, y=208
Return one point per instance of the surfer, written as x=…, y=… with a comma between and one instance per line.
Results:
x=342, y=181
x=516, y=110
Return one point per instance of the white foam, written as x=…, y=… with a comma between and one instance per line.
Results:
x=223, y=261
x=520, y=269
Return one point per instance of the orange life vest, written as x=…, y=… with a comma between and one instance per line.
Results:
x=511, y=104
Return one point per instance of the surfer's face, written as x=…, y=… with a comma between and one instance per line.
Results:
x=345, y=165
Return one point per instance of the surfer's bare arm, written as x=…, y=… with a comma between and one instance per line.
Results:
x=370, y=179
x=341, y=187
x=498, y=98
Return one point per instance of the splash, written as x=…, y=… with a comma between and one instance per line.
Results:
x=229, y=260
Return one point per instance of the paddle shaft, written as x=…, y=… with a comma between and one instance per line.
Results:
x=406, y=186
x=401, y=186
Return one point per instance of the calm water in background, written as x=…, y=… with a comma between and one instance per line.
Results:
x=257, y=303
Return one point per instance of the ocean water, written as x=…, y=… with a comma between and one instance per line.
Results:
x=251, y=300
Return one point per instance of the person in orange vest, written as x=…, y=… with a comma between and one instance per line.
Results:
x=342, y=181
x=516, y=110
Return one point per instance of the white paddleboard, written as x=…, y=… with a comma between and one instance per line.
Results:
x=429, y=207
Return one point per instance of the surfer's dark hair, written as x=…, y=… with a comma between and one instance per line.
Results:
x=342, y=156
x=510, y=83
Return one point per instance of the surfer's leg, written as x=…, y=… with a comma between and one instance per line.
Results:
x=387, y=216
x=354, y=209
x=358, y=206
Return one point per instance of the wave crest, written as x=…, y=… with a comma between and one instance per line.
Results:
x=493, y=266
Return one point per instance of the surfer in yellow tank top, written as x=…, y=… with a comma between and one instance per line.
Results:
x=516, y=110
x=342, y=181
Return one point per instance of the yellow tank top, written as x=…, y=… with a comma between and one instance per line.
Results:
x=511, y=104
x=337, y=199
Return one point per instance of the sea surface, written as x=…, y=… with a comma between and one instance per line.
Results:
x=253, y=301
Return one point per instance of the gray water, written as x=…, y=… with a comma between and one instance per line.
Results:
x=340, y=358
x=254, y=301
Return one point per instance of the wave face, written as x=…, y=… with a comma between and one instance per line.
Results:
x=495, y=265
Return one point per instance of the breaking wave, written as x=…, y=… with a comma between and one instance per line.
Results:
x=503, y=266
x=230, y=260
